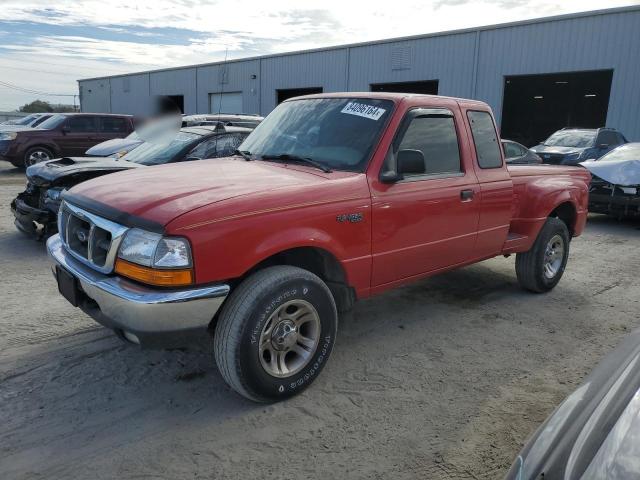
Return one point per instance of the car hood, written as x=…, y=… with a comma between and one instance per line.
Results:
x=594, y=431
x=556, y=150
x=110, y=147
x=161, y=193
x=625, y=173
x=54, y=170
x=14, y=128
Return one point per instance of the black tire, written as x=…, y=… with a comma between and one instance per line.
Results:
x=530, y=266
x=33, y=153
x=244, y=316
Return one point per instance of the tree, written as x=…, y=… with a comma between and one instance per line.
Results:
x=41, y=106
x=37, y=106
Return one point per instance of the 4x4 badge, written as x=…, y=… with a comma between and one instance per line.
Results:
x=350, y=217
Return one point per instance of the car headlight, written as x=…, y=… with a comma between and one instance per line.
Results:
x=151, y=258
x=55, y=193
x=119, y=154
x=8, y=135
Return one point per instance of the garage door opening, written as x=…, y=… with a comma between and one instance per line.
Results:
x=535, y=106
x=170, y=104
x=287, y=93
x=427, y=87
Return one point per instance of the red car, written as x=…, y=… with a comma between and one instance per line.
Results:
x=332, y=198
x=62, y=135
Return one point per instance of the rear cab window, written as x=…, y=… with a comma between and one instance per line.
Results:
x=485, y=139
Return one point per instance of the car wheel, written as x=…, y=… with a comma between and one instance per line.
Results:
x=36, y=155
x=275, y=333
x=541, y=268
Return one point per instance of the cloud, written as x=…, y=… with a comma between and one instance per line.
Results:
x=70, y=39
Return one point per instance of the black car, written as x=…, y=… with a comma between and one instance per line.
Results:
x=594, y=433
x=36, y=208
x=517, y=154
x=571, y=146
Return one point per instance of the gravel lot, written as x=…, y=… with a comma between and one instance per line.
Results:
x=442, y=379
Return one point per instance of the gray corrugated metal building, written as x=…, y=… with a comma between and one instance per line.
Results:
x=538, y=75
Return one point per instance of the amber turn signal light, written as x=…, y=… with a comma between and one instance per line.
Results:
x=154, y=276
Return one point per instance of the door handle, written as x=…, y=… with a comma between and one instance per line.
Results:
x=466, y=195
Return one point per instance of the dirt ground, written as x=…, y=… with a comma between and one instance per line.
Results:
x=443, y=379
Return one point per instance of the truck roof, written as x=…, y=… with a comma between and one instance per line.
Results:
x=383, y=96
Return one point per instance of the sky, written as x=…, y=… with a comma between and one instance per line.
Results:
x=47, y=45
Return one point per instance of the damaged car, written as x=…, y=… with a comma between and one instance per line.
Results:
x=615, y=184
x=36, y=208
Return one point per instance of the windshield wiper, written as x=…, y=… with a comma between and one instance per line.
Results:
x=244, y=154
x=287, y=157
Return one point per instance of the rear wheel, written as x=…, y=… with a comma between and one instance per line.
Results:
x=36, y=155
x=541, y=268
x=275, y=333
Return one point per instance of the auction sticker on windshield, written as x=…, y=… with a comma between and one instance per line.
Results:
x=363, y=110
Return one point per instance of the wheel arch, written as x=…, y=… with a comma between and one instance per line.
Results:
x=319, y=261
x=568, y=213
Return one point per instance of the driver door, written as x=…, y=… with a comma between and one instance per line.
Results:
x=426, y=221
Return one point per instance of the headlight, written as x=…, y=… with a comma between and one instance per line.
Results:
x=119, y=154
x=55, y=193
x=8, y=135
x=154, y=259
x=573, y=156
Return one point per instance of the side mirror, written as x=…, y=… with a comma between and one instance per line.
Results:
x=66, y=130
x=410, y=162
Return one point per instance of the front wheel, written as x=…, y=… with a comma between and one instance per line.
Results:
x=36, y=155
x=275, y=333
x=540, y=269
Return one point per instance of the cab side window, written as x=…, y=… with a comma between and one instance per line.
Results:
x=436, y=138
x=511, y=150
x=485, y=139
x=81, y=124
x=608, y=137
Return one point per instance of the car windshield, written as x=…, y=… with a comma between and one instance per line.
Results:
x=630, y=151
x=52, y=122
x=571, y=138
x=338, y=133
x=26, y=120
x=162, y=150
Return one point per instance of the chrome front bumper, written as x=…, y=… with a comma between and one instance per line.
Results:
x=152, y=317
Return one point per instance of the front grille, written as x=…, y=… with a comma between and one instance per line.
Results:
x=89, y=238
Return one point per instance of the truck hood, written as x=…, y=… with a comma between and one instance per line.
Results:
x=53, y=171
x=110, y=147
x=624, y=173
x=14, y=128
x=161, y=193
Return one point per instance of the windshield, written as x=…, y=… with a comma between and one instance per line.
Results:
x=338, y=133
x=26, y=120
x=630, y=151
x=161, y=150
x=52, y=122
x=571, y=138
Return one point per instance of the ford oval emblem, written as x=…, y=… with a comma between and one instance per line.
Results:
x=82, y=235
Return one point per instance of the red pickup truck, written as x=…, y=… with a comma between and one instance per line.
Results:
x=331, y=199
